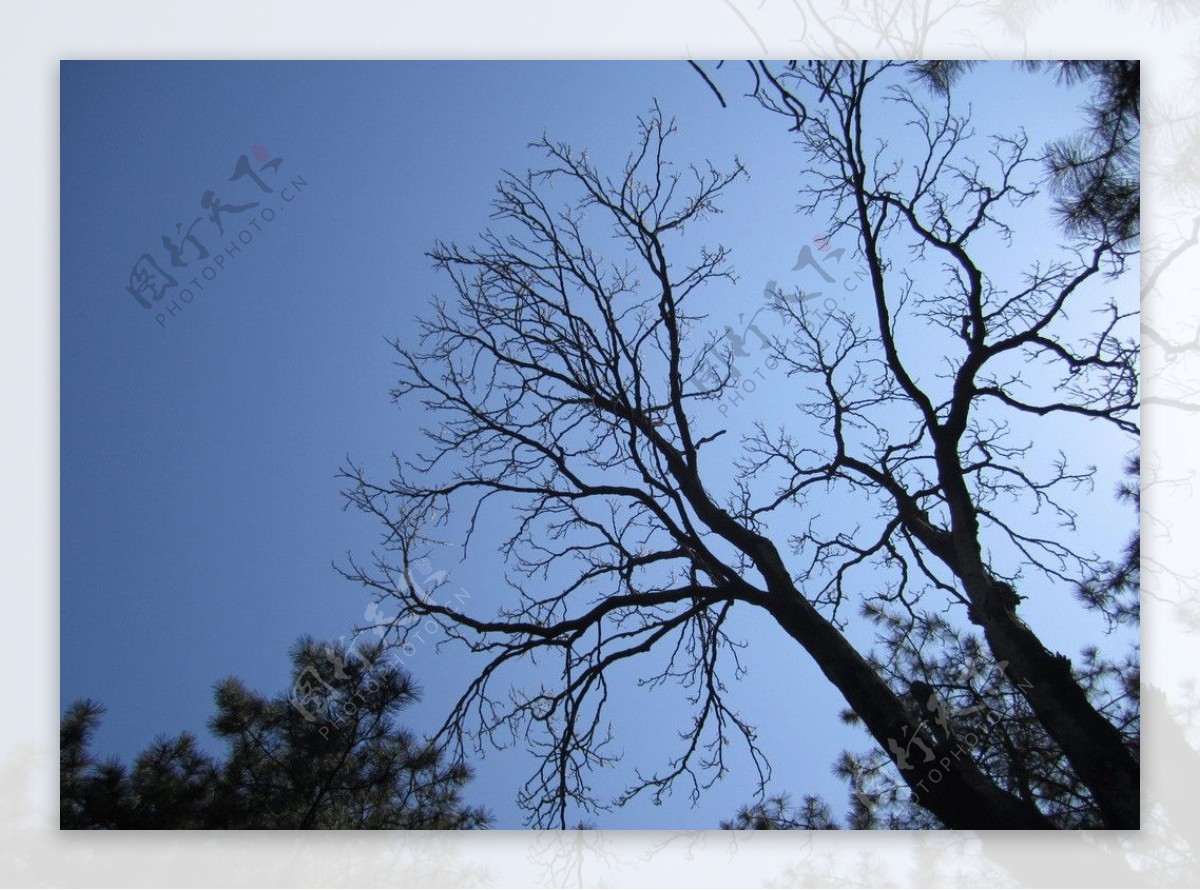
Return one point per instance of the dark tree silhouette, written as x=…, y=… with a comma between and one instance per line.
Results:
x=329, y=754
x=963, y=460
x=575, y=390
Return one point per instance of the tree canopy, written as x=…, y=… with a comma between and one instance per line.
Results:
x=901, y=490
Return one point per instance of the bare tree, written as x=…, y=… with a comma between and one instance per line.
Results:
x=577, y=391
x=960, y=460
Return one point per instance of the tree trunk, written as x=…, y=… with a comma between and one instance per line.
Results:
x=1094, y=747
x=949, y=784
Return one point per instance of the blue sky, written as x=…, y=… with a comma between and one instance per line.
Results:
x=200, y=509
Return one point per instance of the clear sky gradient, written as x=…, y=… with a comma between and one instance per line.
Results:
x=200, y=513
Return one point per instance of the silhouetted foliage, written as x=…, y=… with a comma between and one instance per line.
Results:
x=777, y=813
x=1094, y=174
x=328, y=754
